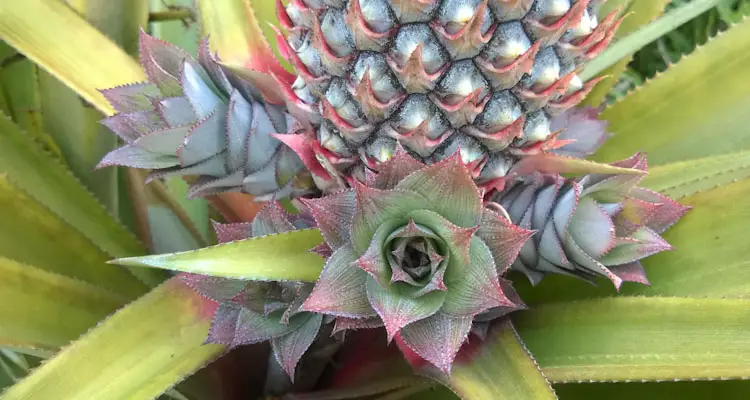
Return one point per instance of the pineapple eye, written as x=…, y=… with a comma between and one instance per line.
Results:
x=464, y=13
x=461, y=17
x=514, y=49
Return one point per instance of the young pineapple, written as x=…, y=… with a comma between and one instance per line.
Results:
x=435, y=76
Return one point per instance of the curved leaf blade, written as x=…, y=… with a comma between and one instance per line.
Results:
x=681, y=179
x=20, y=91
x=499, y=368
x=236, y=35
x=695, y=390
x=138, y=353
x=639, y=338
x=641, y=13
x=283, y=257
x=30, y=233
x=41, y=310
x=51, y=34
x=696, y=109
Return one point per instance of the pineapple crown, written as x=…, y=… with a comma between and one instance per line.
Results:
x=199, y=117
x=414, y=247
x=598, y=225
x=252, y=312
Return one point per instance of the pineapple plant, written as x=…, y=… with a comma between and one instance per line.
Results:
x=361, y=227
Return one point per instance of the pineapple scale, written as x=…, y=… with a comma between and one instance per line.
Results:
x=436, y=76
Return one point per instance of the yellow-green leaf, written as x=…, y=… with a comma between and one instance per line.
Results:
x=137, y=353
x=51, y=34
x=285, y=256
x=501, y=368
x=180, y=33
x=32, y=234
x=43, y=311
x=693, y=390
x=641, y=13
x=235, y=33
x=52, y=184
x=698, y=108
x=639, y=338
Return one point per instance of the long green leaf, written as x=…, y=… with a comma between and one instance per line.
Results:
x=500, y=368
x=32, y=234
x=694, y=390
x=645, y=35
x=639, y=338
x=44, y=311
x=50, y=183
x=75, y=127
x=236, y=34
x=265, y=12
x=181, y=33
x=284, y=256
x=641, y=12
x=55, y=37
x=20, y=95
x=196, y=209
x=138, y=353
x=724, y=390
x=696, y=109
x=681, y=179
x=73, y=123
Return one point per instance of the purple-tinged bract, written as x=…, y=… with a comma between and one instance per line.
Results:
x=599, y=225
x=199, y=118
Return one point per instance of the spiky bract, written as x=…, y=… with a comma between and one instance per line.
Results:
x=599, y=225
x=196, y=117
x=414, y=247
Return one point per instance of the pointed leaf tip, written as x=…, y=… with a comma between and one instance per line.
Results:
x=548, y=163
x=450, y=189
x=281, y=257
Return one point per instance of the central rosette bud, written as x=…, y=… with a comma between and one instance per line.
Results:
x=417, y=256
x=413, y=249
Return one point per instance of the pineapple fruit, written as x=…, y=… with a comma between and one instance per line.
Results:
x=485, y=77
